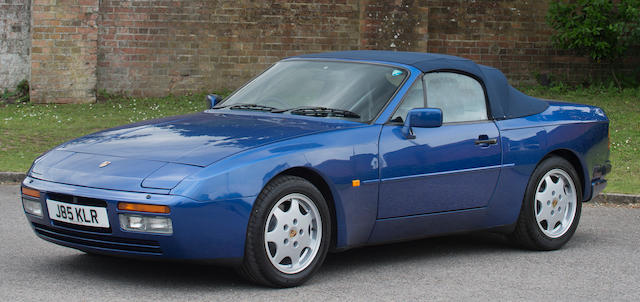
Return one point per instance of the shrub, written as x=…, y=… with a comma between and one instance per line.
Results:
x=20, y=95
x=603, y=30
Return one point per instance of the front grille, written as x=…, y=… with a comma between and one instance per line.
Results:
x=99, y=240
x=81, y=227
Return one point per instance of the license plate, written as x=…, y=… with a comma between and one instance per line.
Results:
x=77, y=214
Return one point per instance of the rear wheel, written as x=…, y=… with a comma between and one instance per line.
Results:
x=288, y=233
x=551, y=208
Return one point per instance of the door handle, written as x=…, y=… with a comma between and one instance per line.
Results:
x=485, y=140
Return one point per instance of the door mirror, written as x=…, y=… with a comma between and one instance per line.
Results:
x=421, y=118
x=212, y=100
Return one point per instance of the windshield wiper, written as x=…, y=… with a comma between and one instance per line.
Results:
x=256, y=107
x=322, y=112
x=309, y=111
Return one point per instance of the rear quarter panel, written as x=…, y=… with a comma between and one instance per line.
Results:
x=579, y=129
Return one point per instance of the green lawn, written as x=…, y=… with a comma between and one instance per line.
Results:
x=27, y=130
x=623, y=110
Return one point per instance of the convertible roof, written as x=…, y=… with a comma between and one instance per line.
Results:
x=505, y=101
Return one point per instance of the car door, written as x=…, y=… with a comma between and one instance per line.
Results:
x=451, y=167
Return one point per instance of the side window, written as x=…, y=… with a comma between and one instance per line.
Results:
x=413, y=99
x=460, y=97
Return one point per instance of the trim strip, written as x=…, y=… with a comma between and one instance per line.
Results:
x=445, y=172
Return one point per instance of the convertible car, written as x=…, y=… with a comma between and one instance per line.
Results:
x=326, y=152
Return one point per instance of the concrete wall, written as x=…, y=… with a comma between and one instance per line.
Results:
x=15, y=42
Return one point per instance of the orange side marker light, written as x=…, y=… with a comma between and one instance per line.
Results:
x=30, y=192
x=355, y=182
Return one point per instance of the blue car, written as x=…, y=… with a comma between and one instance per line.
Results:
x=327, y=152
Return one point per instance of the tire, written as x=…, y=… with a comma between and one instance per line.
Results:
x=285, y=244
x=551, y=207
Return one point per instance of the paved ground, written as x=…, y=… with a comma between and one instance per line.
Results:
x=600, y=263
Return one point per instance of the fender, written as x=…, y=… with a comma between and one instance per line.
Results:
x=245, y=174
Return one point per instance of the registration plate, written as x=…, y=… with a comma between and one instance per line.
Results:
x=78, y=214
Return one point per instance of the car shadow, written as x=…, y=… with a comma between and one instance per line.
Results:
x=190, y=275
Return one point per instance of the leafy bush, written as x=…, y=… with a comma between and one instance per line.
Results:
x=603, y=30
x=20, y=95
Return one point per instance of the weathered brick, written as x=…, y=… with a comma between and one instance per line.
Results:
x=157, y=47
x=168, y=47
x=63, y=68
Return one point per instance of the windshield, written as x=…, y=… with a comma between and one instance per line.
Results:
x=299, y=87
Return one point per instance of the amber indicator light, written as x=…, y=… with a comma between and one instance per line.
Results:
x=355, y=182
x=139, y=207
x=30, y=192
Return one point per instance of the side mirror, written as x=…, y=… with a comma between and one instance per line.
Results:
x=212, y=100
x=421, y=118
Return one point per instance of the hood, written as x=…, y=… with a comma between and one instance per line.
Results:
x=199, y=139
x=158, y=154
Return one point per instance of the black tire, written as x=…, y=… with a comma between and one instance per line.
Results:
x=256, y=266
x=528, y=233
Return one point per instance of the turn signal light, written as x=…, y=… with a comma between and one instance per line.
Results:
x=30, y=192
x=138, y=207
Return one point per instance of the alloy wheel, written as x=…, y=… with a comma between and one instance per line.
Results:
x=293, y=233
x=555, y=203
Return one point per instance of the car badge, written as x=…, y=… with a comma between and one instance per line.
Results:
x=104, y=164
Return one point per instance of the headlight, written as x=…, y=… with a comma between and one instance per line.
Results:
x=31, y=201
x=144, y=223
x=31, y=206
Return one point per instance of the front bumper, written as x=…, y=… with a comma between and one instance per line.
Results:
x=213, y=230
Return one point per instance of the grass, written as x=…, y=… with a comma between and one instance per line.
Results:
x=27, y=130
x=623, y=110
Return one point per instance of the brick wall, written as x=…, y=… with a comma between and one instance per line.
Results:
x=64, y=51
x=158, y=47
x=14, y=42
x=396, y=25
x=510, y=35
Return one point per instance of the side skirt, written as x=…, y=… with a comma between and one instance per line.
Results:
x=428, y=225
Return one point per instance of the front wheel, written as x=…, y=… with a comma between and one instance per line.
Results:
x=551, y=207
x=288, y=233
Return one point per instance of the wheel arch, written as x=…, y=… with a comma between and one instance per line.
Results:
x=574, y=160
x=321, y=184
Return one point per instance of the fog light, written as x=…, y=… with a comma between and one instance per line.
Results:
x=143, y=223
x=33, y=207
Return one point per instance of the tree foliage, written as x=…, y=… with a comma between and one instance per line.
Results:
x=602, y=29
